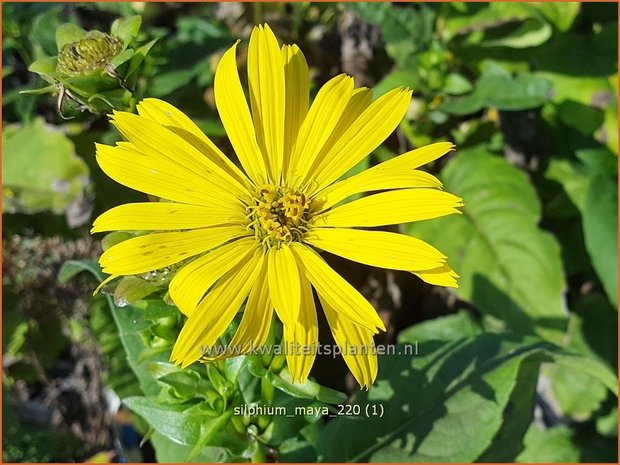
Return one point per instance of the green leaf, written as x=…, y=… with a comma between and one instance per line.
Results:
x=86, y=86
x=71, y=268
x=139, y=56
x=592, y=332
x=43, y=30
x=457, y=84
x=580, y=54
x=600, y=228
x=176, y=422
x=126, y=28
x=518, y=415
x=40, y=170
x=470, y=19
x=531, y=33
x=552, y=445
x=307, y=390
x=68, y=33
x=122, y=57
x=406, y=30
x=583, y=118
x=577, y=394
x=113, y=238
x=572, y=177
x=44, y=66
x=168, y=451
x=561, y=15
x=208, y=430
x=130, y=322
x=497, y=88
x=41, y=91
x=607, y=425
x=428, y=399
x=509, y=267
x=393, y=80
x=168, y=82
x=444, y=328
x=591, y=366
x=185, y=383
x=132, y=288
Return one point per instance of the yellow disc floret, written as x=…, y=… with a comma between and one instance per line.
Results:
x=279, y=215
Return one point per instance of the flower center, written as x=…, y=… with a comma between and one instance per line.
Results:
x=279, y=215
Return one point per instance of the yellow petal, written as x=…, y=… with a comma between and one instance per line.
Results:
x=302, y=337
x=284, y=287
x=377, y=248
x=162, y=216
x=324, y=114
x=335, y=289
x=297, y=95
x=153, y=251
x=359, y=102
x=175, y=120
x=216, y=311
x=256, y=320
x=104, y=282
x=368, y=131
x=192, y=281
x=392, y=207
x=158, y=177
x=417, y=157
x=356, y=344
x=267, y=96
x=377, y=178
x=158, y=142
x=440, y=276
x=236, y=118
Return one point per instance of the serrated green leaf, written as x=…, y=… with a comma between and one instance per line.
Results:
x=428, y=399
x=509, y=267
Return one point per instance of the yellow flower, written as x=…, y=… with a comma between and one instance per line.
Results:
x=252, y=235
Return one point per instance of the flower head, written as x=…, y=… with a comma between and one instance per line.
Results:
x=252, y=234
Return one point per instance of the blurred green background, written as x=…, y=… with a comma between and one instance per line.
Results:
x=527, y=92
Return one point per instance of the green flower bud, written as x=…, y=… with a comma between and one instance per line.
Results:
x=88, y=55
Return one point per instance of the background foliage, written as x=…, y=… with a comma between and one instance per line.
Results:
x=517, y=364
